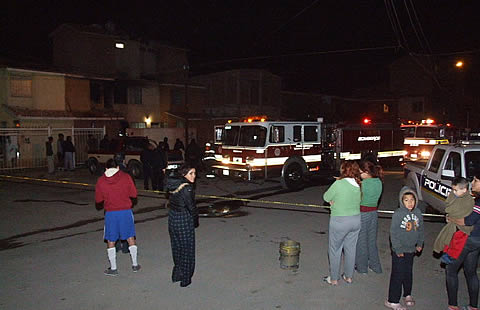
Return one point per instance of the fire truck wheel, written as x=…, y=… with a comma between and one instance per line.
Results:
x=292, y=177
x=135, y=169
x=93, y=166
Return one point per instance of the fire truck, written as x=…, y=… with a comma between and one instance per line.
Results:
x=295, y=151
x=421, y=137
x=382, y=142
x=260, y=148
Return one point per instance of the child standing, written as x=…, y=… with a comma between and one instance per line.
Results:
x=406, y=236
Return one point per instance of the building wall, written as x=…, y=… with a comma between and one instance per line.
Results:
x=48, y=92
x=77, y=94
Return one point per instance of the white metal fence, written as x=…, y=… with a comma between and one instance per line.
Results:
x=22, y=148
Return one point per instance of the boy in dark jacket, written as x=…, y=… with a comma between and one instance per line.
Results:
x=406, y=236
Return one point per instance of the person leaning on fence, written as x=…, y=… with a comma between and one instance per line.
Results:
x=344, y=197
x=116, y=193
x=49, y=153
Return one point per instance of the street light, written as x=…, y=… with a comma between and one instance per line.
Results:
x=459, y=64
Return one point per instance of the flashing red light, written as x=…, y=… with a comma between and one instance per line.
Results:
x=367, y=121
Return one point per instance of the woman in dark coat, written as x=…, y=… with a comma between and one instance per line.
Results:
x=182, y=221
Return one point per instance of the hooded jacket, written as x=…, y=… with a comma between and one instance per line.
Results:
x=115, y=188
x=406, y=229
x=182, y=197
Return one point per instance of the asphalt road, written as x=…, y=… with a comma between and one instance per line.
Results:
x=53, y=255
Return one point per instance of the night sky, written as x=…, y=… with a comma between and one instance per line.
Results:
x=300, y=40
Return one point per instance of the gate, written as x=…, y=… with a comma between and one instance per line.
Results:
x=23, y=148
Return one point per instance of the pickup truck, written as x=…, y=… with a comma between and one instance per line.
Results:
x=131, y=147
x=433, y=181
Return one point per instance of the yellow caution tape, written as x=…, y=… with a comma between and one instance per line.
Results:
x=295, y=204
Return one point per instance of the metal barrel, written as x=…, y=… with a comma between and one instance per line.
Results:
x=289, y=254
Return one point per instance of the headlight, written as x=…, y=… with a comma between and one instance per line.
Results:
x=225, y=159
x=413, y=155
x=425, y=154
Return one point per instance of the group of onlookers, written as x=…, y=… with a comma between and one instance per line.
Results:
x=354, y=199
x=65, y=154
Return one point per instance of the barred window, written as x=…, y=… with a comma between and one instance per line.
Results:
x=20, y=87
x=136, y=95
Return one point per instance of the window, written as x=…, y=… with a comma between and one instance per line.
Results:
x=120, y=94
x=472, y=163
x=310, y=133
x=297, y=133
x=427, y=132
x=177, y=96
x=230, y=135
x=417, y=106
x=436, y=160
x=252, y=136
x=95, y=92
x=119, y=45
x=20, y=87
x=277, y=134
x=136, y=95
x=454, y=163
x=138, y=125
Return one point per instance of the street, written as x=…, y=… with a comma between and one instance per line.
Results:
x=53, y=255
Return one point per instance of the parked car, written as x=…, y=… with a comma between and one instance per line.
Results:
x=433, y=181
x=131, y=147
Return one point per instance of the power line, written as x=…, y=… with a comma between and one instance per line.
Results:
x=414, y=27
x=300, y=54
x=421, y=28
x=295, y=16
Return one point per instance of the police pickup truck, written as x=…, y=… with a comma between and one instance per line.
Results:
x=433, y=181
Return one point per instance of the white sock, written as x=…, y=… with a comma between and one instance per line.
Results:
x=112, y=257
x=133, y=254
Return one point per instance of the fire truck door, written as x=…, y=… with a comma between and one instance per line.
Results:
x=297, y=139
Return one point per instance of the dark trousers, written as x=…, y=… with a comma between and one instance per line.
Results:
x=401, y=277
x=147, y=176
x=468, y=258
x=182, y=238
x=157, y=179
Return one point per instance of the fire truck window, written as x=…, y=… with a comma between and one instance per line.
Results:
x=428, y=132
x=277, y=134
x=253, y=136
x=454, y=163
x=297, y=133
x=436, y=160
x=472, y=162
x=310, y=133
x=230, y=135
x=408, y=131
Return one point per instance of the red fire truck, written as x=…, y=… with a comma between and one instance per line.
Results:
x=421, y=137
x=294, y=151
x=379, y=141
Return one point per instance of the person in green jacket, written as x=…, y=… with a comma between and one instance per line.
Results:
x=372, y=186
x=344, y=197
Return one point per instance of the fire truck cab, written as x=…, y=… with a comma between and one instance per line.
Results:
x=260, y=148
x=421, y=137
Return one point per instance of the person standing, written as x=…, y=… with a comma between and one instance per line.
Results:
x=179, y=145
x=159, y=164
x=60, y=152
x=49, y=153
x=406, y=236
x=193, y=154
x=116, y=193
x=147, y=157
x=468, y=257
x=372, y=187
x=165, y=145
x=105, y=143
x=182, y=221
x=344, y=197
x=69, y=152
